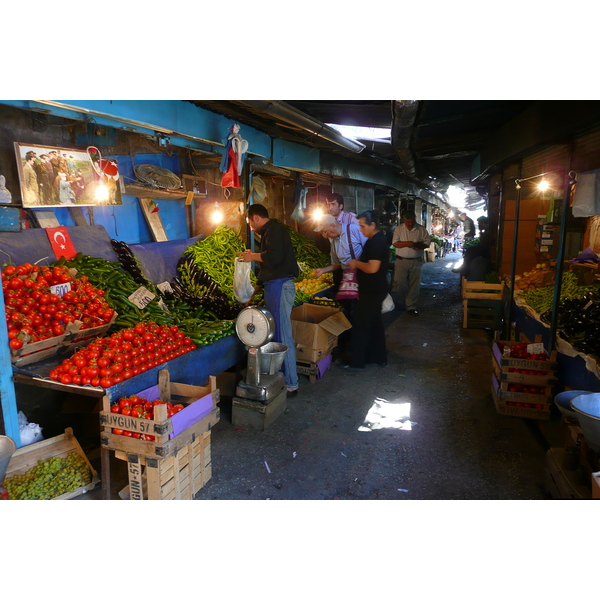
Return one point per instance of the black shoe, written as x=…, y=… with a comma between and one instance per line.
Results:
x=412, y=311
x=380, y=365
x=292, y=393
x=458, y=270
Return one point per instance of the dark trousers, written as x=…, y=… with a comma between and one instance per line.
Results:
x=368, y=334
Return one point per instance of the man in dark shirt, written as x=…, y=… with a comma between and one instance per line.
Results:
x=278, y=269
x=468, y=226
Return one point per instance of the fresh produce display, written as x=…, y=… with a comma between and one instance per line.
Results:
x=215, y=255
x=579, y=320
x=541, y=276
x=35, y=312
x=313, y=286
x=110, y=360
x=527, y=405
x=541, y=298
x=129, y=262
x=519, y=350
x=305, y=250
x=49, y=478
x=134, y=406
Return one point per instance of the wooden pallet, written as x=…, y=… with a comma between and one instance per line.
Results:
x=177, y=477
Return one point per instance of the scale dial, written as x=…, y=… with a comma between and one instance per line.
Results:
x=255, y=326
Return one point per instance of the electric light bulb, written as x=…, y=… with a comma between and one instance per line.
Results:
x=317, y=214
x=101, y=193
x=543, y=185
x=217, y=215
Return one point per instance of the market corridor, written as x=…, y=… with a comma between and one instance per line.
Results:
x=425, y=427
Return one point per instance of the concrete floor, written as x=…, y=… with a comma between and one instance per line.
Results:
x=423, y=428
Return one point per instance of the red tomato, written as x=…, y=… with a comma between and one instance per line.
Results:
x=123, y=402
x=117, y=431
x=16, y=344
x=115, y=408
x=126, y=410
x=128, y=433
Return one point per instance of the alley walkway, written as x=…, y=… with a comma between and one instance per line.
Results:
x=423, y=428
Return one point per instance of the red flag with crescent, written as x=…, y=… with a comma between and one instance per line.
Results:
x=61, y=242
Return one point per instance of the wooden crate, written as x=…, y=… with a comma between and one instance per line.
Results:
x=479, y=290
x=512, y=403
x=310, y=369
x=177, y=477
x=504, y=374
x=506, y=363
x=482, y=314
x=74, y=336
x=28, y=457
x=200, y=414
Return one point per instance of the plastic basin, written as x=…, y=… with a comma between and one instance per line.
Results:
x=7, y=448
x=271, y=357
x=563, y=402
x=587, y=407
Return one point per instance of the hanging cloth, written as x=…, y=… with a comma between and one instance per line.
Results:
x=233, y=158
x=300, y=193
x=586, y=199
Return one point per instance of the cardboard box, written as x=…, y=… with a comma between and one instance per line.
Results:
x=316, y=330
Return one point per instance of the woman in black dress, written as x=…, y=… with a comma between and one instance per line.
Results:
x=368, y=334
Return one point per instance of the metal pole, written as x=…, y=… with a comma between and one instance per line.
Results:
x=514, y=263
x=560, y=258
x=8, y=399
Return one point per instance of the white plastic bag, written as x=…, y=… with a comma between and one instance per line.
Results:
x=387, y=305
x=30, y=432
x=242, y=286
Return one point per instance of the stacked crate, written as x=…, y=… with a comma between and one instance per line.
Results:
x=482, y=304
x=176, y=464
x=522, y=387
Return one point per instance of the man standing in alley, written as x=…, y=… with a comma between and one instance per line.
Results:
x=409, y=239
x=278, y=269
x=468, y=226
x=335, y=204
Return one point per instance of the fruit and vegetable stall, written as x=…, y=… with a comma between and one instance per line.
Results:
x=98, y=324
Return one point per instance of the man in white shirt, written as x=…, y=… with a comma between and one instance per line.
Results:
x=335, y=204
x=409, y=239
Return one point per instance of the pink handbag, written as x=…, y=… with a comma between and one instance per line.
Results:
x=348, y=289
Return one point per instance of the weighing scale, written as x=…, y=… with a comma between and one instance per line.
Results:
x=255, y=326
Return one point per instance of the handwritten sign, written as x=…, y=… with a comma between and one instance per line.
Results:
x=535, y=348
x=141, y=297
x=165, y=287
x=60, y=289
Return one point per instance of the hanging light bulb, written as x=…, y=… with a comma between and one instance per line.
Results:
x=318, y=214
x=101, y=193
x=543, y=185
x=217, y=215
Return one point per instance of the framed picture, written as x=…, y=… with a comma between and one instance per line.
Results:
x=51, y=177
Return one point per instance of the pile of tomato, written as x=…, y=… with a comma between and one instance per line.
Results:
x=519, y=350
x=526, y=405
x=526, y=389
x=108, y=361
x=34, y=313
x=134, y=406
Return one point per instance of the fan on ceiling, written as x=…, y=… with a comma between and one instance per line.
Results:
x=157, y=177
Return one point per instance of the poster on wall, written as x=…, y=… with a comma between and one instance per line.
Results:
x=52, y=177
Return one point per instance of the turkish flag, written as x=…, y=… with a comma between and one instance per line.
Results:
x=61, y=242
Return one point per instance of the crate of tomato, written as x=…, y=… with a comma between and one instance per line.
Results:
x=160, y=420
x=49, y=309
x=530, y=402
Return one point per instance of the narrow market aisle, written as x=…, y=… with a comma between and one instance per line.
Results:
x=425, y=427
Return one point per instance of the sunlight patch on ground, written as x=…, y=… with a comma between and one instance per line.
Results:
x=384, y=414
x=455, y=265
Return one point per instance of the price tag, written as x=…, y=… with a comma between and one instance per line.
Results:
x=162, y=305
x=141, y=297
x=60, y=289
x=165, y=286
x=535, y=348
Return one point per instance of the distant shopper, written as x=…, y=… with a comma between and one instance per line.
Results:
x=335, y=205
x=278, y=269
x=410, y=239
x=468, y=226
x=368, y=333
x=480, y=251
